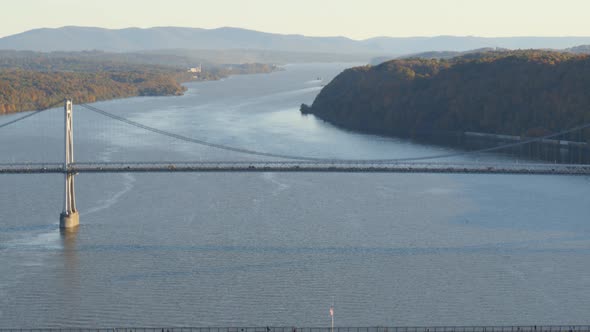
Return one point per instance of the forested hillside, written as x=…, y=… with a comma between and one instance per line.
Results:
x=515, y=93
x=22, y=90
x=34, y=80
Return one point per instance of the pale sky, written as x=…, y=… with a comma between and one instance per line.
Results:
x=357, y=19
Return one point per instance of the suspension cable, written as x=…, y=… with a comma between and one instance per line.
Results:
x=305, y=158
x=194, y=140
x=20, y=119
x=26, y=116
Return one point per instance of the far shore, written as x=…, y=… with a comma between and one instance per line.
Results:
x=165, y=85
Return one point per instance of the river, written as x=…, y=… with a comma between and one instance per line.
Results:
x=276, y=249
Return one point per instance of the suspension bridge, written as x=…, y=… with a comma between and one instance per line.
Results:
x=287, y=163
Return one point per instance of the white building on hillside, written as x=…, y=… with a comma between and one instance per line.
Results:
x=196, y=70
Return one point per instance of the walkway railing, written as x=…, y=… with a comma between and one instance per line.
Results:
x=515, y=328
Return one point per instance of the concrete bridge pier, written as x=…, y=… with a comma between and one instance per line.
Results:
x=69, y=218
x=69, y=221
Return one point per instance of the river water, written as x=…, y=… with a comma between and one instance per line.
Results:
x=277, y=249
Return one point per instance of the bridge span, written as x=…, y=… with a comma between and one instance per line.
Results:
x=69, y=218
x=294, y=167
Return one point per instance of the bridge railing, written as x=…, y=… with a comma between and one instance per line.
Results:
x=508, y=328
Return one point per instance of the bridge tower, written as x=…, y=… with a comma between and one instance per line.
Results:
x=69, y=218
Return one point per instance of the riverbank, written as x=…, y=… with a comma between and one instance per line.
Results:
x=38, y=81
x=31, y=90
x=22, y=91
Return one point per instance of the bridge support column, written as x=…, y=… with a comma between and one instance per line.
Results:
x=70, y=217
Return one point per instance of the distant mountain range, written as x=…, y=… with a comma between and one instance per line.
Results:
x=73, y=38
x=582, y=49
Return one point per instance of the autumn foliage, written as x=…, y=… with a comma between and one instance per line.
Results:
x=516, y=93
x=22, y=90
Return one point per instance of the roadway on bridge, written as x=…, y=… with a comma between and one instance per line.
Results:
x=296, y=167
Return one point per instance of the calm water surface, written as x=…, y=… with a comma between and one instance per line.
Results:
x=274, y=249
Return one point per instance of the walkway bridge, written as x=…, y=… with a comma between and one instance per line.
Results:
x=280, y=162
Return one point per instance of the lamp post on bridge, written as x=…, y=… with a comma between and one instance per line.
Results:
x=69, y=218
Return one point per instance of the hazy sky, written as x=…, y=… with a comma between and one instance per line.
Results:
x=356, y=19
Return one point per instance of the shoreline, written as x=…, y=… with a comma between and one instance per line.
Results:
x=180, y=78
x=548, y=150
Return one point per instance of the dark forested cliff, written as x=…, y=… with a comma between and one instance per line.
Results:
x=515, y=93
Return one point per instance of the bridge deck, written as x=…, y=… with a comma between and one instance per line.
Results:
x=296, y=167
